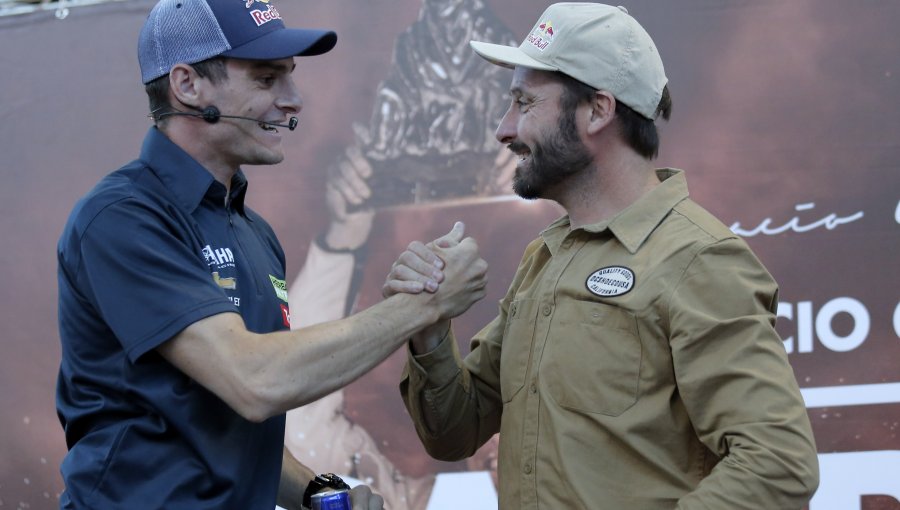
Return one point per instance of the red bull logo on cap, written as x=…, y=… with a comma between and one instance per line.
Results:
x=262, y=17
x=542, y=35
x=249, y=3
x=547, y=27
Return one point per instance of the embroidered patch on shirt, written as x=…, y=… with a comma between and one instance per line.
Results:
x=224, y=283
x=610, y=281
x=285, y=315
x=280, y=288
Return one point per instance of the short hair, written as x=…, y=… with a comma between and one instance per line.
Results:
x=158, y=90
x=638, y=131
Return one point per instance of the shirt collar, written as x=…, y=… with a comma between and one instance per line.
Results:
x=634, y=224
x=187, y=179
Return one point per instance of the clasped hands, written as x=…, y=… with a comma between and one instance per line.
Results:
x=448, y=270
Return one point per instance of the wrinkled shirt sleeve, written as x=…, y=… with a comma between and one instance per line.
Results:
x=454, y=392
x=463, y=396
x=745, y=406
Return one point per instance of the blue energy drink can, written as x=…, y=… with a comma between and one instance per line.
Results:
x=331, y=500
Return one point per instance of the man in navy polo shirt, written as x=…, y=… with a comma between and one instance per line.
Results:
x=178, y=362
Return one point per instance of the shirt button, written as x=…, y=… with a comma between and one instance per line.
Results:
x=533, y=388
x=547, y=310
x=527, y=469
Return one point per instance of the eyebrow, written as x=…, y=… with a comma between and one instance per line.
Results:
x=272, y=66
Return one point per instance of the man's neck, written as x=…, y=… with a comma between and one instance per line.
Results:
x=610, y=188
x=194, y=144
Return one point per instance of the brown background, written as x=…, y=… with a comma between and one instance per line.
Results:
x=777, y=103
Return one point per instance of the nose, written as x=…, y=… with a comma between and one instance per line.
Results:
x=290, y=101
x=506, y=130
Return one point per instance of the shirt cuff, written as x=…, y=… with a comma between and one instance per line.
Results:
x=438, y=367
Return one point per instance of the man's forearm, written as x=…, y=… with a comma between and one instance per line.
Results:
x=263, y=375
x=294, y=479
x=334, y=354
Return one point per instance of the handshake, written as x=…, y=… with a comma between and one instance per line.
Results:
x=449, y=275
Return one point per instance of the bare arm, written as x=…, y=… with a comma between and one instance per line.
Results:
x=294, y=479
x=262, y=375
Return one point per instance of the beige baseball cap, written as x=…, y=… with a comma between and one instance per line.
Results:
x=599, y=45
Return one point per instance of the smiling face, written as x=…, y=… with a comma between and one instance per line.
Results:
x=261, y=90
x=541, y=130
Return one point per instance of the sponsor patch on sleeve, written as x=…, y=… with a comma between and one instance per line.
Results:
x=280, y=288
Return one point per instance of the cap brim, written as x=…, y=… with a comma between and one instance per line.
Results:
x=507, y=56
x=288, y=42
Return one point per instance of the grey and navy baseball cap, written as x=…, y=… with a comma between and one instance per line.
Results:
x=189, y=31
x=599, y=45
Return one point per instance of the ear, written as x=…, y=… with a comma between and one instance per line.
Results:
x=186, y=85
x=603, y=110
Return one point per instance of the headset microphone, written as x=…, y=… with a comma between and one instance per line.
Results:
x=212, y=115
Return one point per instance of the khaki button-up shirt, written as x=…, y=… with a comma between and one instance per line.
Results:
x=633, y=365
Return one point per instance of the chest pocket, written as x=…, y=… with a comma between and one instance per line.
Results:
x=593, y=361
x=517, y=345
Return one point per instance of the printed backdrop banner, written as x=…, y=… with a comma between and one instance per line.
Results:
x=786, y=121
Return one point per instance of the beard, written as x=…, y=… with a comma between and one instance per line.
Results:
x=554, y=159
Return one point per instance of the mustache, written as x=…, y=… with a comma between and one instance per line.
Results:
x=517, y=147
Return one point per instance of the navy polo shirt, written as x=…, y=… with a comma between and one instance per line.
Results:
x=153, y=248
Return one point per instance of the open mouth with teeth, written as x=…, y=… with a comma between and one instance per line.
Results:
x=524, y=157
x=520, y=150
x=267, y=127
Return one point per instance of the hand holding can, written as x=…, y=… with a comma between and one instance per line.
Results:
x=333, y=499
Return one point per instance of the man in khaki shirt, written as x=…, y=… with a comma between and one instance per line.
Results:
x=633, y=364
